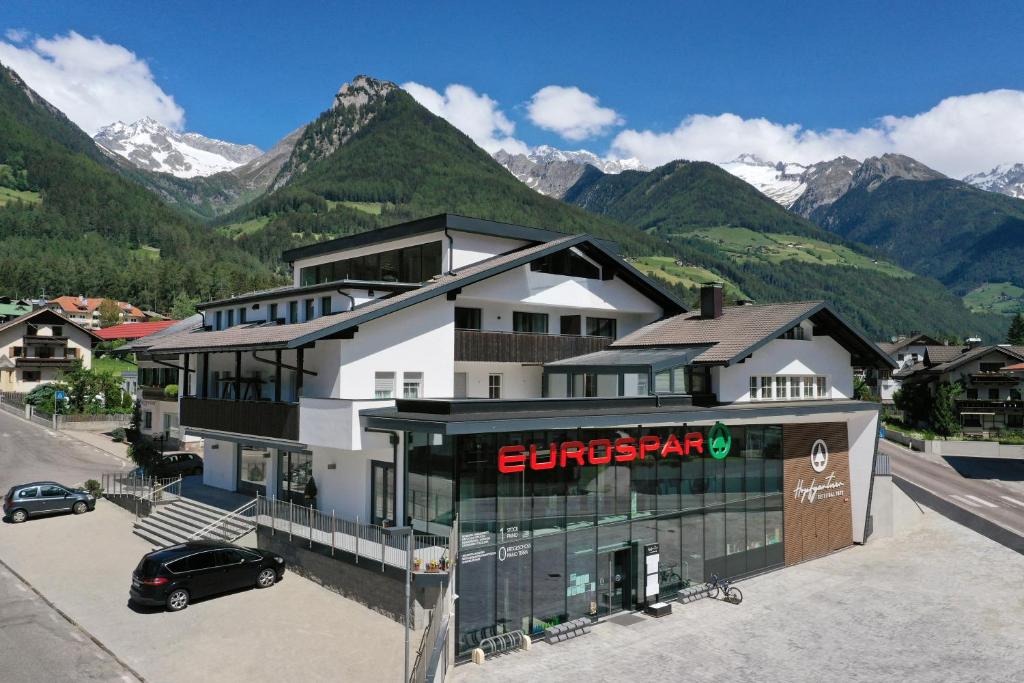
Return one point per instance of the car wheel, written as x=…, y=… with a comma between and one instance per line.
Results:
x=79, y=507
x=177, y=600
x=266, y=578
x=19, y=516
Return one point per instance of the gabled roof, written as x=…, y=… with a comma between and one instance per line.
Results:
x=442, y=221
x=918, y=339
x=937, y=355
x=74, y=304
x=741, y=330
x=193, y=322
x=1014, y=353
x=46, y=314
x=298, y=334
x=133, y=330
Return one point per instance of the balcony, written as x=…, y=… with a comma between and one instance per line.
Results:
x=156, y=394
x=39, y=340
x=990, y=378
x=61, y=362
x=258, y=418
x=976, y=403
x=522, y=347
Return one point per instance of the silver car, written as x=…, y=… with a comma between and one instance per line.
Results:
x=45, y=498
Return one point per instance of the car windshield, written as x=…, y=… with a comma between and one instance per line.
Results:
x=148, y=567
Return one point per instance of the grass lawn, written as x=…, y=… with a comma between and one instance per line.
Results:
x=666, y=268
x=236, y=230
x=113, y=366
x=1003, y=298
x=366, y=207
x=8, y=195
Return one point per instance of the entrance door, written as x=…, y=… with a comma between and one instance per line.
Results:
x=613, y=582
x=382, y=492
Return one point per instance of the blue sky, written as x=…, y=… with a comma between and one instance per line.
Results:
x=252, y=71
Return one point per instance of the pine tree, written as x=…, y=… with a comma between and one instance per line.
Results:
x=1015, y=335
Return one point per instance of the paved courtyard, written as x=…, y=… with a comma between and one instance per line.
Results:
x=939, y=603
x=296, y=630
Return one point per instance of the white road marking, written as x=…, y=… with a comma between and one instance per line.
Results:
x=77, y=637
x=1013, y=500
x=21, y=588
x=964, y=501
x=983, y=502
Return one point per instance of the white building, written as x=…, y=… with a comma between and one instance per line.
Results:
x=906, y=352
x=35, y=348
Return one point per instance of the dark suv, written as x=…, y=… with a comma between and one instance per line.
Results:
x=175, y=576
x=175, y=464
x=44, y=498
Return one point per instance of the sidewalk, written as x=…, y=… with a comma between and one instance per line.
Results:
x=101, y=441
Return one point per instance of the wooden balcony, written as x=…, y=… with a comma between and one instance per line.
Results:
x=156, y=394
x=41, y=340
x=258, y=418
x=980, y=403
x=997, y=377
x=37, y=362
x=522, y=347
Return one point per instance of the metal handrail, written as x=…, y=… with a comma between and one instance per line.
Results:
x=234, y=513
x=151, y=495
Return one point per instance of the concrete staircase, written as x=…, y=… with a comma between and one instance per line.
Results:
x=175, y=522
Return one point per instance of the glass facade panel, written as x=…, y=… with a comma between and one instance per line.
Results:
x=252, y=469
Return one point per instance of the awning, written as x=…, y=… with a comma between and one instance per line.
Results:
x=654, y=358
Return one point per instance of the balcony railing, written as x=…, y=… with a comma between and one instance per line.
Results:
x=522, y=347
x=156, y=394
x=258, y=418
x=994, y=378
x=39, y=362
x=965, y=403
x=40, y=340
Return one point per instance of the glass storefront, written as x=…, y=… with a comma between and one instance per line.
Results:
x=252, y=469
x=294, y=471
x=562, y=536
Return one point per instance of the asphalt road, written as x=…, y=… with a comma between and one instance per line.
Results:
x=37, y=643
x=989, y=488
x=31, y=452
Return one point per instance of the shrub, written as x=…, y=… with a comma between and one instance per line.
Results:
x=94, y=487
x=171, y=391
x=118, y=434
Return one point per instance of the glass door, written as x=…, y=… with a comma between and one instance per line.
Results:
x=382, y=493
x=293, y=473
x=613, y=582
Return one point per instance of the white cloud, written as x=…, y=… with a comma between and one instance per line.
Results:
x=570, y=112
x=16, y=35
x=960, y=135
x=475, y=114
x=93, y=82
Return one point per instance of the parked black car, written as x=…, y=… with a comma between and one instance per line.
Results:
x=175, y=576
x=174, y=465
x=44, y=498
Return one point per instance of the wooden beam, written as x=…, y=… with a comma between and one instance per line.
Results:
x=206, y=375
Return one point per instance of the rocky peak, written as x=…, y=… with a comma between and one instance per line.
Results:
x=876, y=170
x=360, y=91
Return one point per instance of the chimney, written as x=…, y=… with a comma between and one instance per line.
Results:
x=711, y=300
x=973, y=342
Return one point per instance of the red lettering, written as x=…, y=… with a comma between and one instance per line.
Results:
x=694, y=440
x=572, y=450
x=649, y=444
x=672, y=445
x=552, y=461
x=593, y=458
x=624, y=449
x=511, y=459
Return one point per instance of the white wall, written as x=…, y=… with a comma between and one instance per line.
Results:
x=517, y=380
x=220, y=465
x=259, y=311
x=346, y=489
x=470, y=248
x=862, y=433
x=819, y=356
x=12, y=380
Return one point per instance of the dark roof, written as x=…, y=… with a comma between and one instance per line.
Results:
x=936, y=355
x=892, y=347
x=1012, y=352
x=741, y=330
x=193, y=322
x=441, y=221
x=50, y=314
x=289, y=290
x=654, y=358
x=297, y=334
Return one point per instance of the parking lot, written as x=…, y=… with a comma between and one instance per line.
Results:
x=940, y=603
x=296, y=630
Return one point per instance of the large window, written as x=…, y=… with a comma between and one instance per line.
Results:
x=570, y=324
x=467, y=318
x=412, y=385
x=566, y=262
x=384, y=385
x=601, y=327
x=252, y=469
x=494, y=385
x=294, y=470
x=788, y=387
x=530, y=322
x=409, y=264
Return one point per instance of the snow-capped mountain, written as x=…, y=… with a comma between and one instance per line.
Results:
x=778, y=180
x=154, y=147
x=553, y=171
x=1005, y=179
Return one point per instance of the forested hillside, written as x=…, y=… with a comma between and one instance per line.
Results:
x=79, y=227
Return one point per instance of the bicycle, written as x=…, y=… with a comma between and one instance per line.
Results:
x=730, y=592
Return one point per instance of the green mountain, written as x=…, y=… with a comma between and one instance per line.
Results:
x=71, y=223
x=957, y=233
x=714, y=221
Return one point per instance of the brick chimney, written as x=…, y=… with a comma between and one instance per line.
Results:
x=711, y=300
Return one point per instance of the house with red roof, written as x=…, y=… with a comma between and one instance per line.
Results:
x=85, y=311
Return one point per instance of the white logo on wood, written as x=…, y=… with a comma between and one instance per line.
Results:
x=819, y=455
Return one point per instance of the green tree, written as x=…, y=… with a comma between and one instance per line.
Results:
x=943, y=415
x=861, y=390
x=914, y=401
x=143, y=454
x=183, y=306
x=1015, y=335
x=110, y=314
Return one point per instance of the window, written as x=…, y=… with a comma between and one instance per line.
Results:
x=900, y=357
x=57, y=330
x=570, y=324
x=272, y=313
x=410, y=264
x=412, y=385
x=808, y=387
x=241, y=315
x=991, y=367
x=52, y=492
x=231, y=318
x=309, y=309
x=30, y=376
x=384, y=385
x=753, y=388
x=467, y=318
x=530, y=322
x=766, y=387
x=993, y=394
x=227, y=557
x=796, y=332
x=178, y=566
x=494, y=386
x=325, y=305
x=601, y=327
x=781, y=387
x=148, y=419
x=663, y=382
x=16, y=351
x=293, y=311
x=679, y=380
x=822, y=387
x=566, y=262
x=29, y=493
x=218, y=319
x=972, y=394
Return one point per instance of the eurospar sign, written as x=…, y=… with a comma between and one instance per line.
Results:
x=512, y=459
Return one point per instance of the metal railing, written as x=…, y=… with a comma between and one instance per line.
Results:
x=140, y=493
x=882, y=464
x=365, y=541
x=231, y=526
